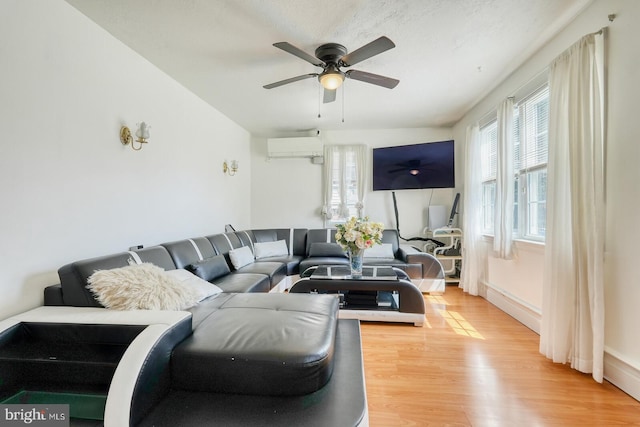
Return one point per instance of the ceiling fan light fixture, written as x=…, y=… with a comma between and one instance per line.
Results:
x=331, y=79
x=331, y=57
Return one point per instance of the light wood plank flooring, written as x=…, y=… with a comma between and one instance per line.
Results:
x=473, y=365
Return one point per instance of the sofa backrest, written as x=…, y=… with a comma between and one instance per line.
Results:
x=74, y=276
x=328, y=235
x=223, y=243
x=295, y=238
x=188, y=251
x=320, y=235
x=156, y=255
x=391, y=236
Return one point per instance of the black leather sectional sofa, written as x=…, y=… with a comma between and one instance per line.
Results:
x=249, y=356
x=209, y=258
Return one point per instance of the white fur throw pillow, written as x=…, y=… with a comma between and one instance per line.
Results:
x=241, y=256
x=269, y=249
x=140, y=287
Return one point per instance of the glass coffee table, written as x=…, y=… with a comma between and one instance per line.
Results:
x=382, y=293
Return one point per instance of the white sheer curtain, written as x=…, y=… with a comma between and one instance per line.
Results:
x=360, y=157
x=573, y=295
x=503, y=225
x=344, y=164
x=327, y=177
x=472, y=246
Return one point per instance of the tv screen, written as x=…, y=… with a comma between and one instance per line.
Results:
x=403, y=167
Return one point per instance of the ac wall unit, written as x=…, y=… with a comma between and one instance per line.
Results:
x=310, y=146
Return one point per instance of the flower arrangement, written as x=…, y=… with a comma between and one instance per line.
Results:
x=358, y=234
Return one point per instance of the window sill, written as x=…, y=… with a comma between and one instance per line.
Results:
x=521, y=244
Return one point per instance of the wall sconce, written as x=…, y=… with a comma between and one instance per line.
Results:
x=142, y=133
x=230, y=168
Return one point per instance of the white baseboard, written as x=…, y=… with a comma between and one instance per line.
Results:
x=515, y=307
x=618, y=372
x=621, y=374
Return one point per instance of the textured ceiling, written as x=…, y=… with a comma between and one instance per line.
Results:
x=448, y=54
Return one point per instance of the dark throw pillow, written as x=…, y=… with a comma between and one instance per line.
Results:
x=210, y=268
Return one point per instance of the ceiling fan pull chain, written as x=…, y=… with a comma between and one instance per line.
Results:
x=320, y=89
x=343, y=89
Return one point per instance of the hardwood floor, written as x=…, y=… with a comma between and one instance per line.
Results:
x=473, y=365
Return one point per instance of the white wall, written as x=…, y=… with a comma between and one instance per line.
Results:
x=622, y=275
x=69, y=189
x=299, y=182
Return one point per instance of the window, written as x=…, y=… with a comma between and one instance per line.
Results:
x=344, y=182
x=531, y=154
x=530, y=140
x=488, y=151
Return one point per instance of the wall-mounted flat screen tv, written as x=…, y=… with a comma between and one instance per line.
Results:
x=403, y=167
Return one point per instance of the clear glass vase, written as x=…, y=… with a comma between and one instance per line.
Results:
x=355, y=262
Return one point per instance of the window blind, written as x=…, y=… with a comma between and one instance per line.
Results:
x=531, y=131
x=488, y=150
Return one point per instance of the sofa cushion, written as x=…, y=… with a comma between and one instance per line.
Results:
x=210, y=269
x=275, y=270
x=270, y=249
x=322, y=249
x=141, y=287
x=384, y=250
x=241, y=256
x=244, y=282
x=291, y=262
x=272, y=344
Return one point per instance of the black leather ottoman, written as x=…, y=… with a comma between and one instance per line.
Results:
x=341, y=402
x=267, y=344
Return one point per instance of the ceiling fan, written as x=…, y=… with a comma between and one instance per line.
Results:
x=333, y=56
